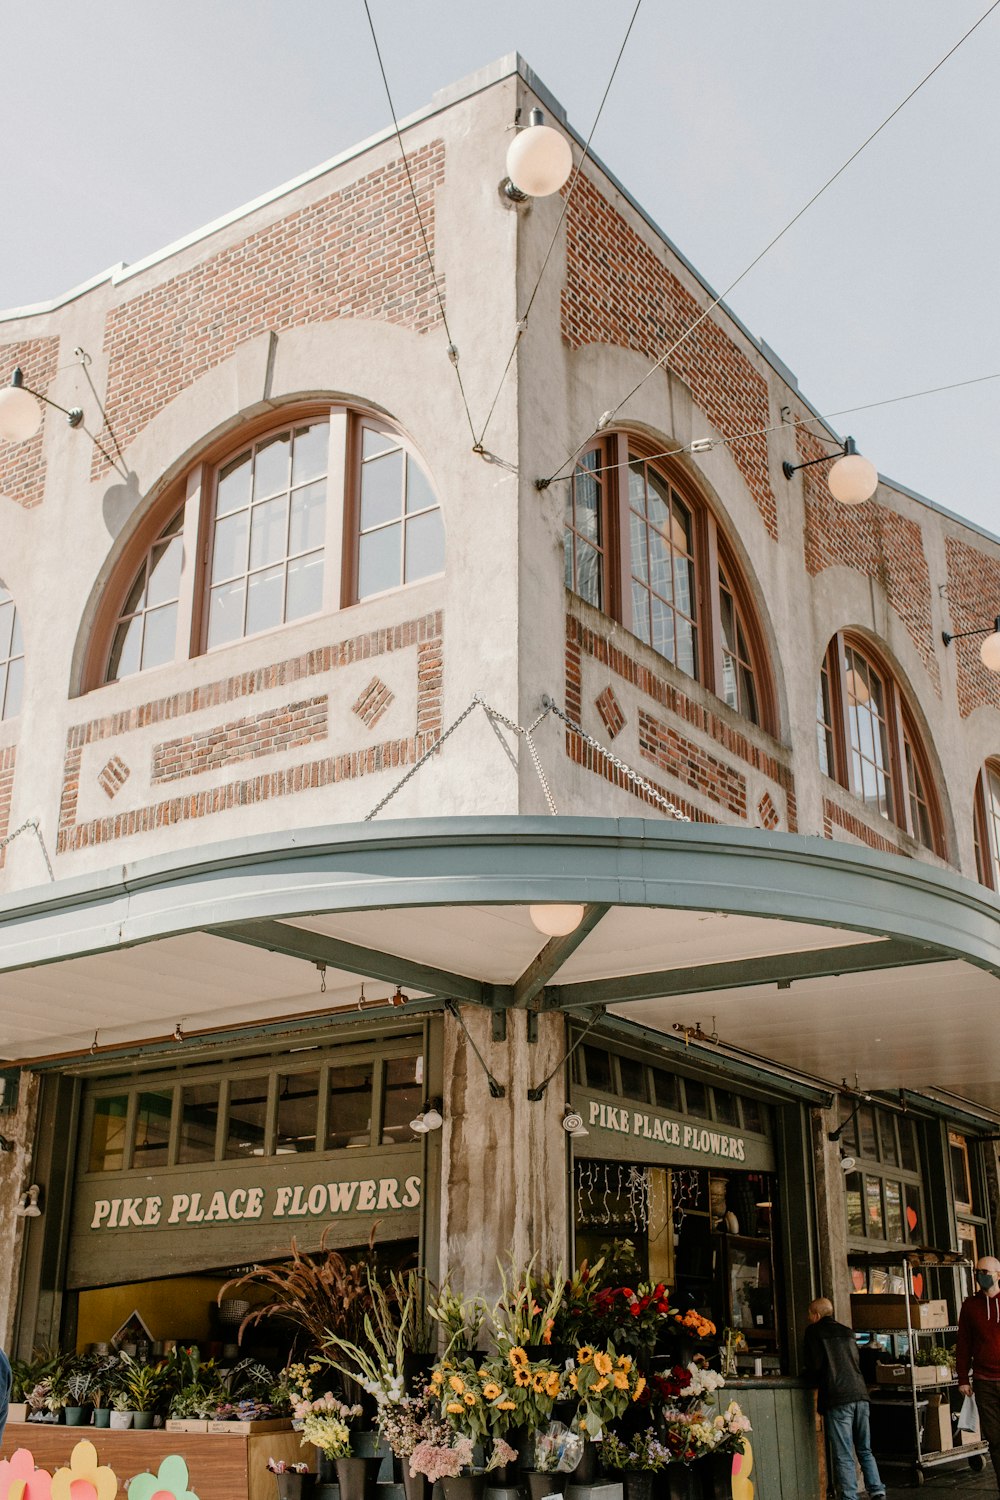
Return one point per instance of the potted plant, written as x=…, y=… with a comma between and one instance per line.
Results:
x=320, y=1294
x=142, y=1384
x=79, y=1380
x=461, y=1319
x=105, y=1371
x=404, y=1425
x=22, y=1380
x=320, y=1421
x=557, y=1452
x=326, y=1428
x=716, y=1466
x=452, y=1463
x=606, y=1383
x=294, y=1480
x=525, y=1314
x=637, y=1461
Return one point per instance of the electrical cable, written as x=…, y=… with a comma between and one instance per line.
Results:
x=452, y=350
x=609, y=417
x=497, y=1089
x=700, y=445
x=523, y=320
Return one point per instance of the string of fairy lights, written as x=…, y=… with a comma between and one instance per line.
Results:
x=566, y=469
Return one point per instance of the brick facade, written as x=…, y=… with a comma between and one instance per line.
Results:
x=619, y=291
x=22, y=465
x=235, y=741
x=973, y=604
x=355, y=253
x=835, y=817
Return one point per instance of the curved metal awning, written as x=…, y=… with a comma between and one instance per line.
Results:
x=825, y=957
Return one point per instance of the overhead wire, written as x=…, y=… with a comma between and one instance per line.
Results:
x=522, y=322
x=700, y=445
x=452, y=349
x=608, y=417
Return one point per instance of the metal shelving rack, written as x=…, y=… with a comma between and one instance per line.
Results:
x=914, y=1260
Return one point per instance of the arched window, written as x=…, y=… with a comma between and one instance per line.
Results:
x=323, y=509
x=986, y=825
x=641, y=544
x=867, y=741
x=11, y=657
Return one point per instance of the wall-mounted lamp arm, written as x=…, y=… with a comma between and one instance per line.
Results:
x=961, y=635
x=73, y=414
x=849, y=447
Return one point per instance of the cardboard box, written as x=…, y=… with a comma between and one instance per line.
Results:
x=186, y=1424
x=936, y=1436
x=876, y=1311
x=248, y=1429
x=900, y=1374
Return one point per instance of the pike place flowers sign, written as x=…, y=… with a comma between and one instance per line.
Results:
x=641, y=1134
x=291, y=1201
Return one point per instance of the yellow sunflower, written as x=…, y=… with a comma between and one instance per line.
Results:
x=621, y=1380
x=553, y=1383
x=538, y=1382
x=454, y=1407
x=470, y=1399
x=457, y=1384
x=505, y=1406
x=602, y=1363
x=574, y=1382
x=491, y=1390
x=624, y=1362
x=517, y=1357
x=599, y=1385
x=640, y=1386
x=584, y=1355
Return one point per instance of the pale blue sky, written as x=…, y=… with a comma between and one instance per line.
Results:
x=129, y=123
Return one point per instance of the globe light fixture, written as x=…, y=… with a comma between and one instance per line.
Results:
x=989, y=651
x=539, y=160
x=556, y=920
x=853, y=479
x=21, y=414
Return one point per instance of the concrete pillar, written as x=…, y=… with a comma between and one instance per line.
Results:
x=835, y=1281
x=15, y=1177
x=504, y=1174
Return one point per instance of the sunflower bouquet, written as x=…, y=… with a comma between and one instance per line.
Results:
x=534, y=1385
x=605, y=1383
x=475, y=1399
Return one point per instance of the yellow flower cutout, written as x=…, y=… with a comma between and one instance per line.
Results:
x=517, y=1357
x=457, y=1384
x=584, y=1355
x=67, y=1484
x=171, y=1483
x=602, y=1363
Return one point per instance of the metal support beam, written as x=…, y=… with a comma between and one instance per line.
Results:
x=319, y=948
x=778, y=968
x=552, y=957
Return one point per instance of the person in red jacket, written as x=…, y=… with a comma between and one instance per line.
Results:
x=979, y=1349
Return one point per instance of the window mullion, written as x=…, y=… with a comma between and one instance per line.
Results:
x=897, y=761
x=839, y=710
x=711, y=615
x=194, y=533
x=623, y=570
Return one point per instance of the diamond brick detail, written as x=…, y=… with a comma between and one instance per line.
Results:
x=373, y=703
x=767, y=812
x=114, y=776
x=610, y=711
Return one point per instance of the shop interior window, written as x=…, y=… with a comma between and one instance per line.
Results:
x=961, y=1177
x=349, y=1122
x=887, y=1137
x=855, y=1210
x=107, y=1134
x=666, y=1090
x=633, y=1078
x=199, y=1122
x=867, y=1141
x=909, y=1156
x=913, y=1214
x=893, y=1211
x=873, y=1207
x=246, y=1126
x=402, y=1096
x=152, y=1129
x=696, y=1099
x=298, y=1104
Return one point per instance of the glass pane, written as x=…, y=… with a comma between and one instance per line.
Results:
x=199, y=1117
x=136, y=594
x=685, y=658
x=125, y=649
x=15, y=688
x=6, y=627
x=17, y=641
x=568, y=545
x=107, y=1135
x=753, y=1116
x=270, y=467
x=402, y=1097
x=424, y=546
x=165, y=571
x=304, y=594
x=588, y=505
x=152, y=1130
x=893, y=1212
x=588, y=574
x=633, y=1077
x=233, y=489
x=637, y=543
x=663, y=627
x=908, y=1146
x=665, y=1091
x=637, y=486
x=696, y=1098
x=350, y=1107
x=913, y=1214
x=265, y=599
x=309, y=452
x=657, y=500
x=269, y=532
x=730, y=691
x=379, y=562
x=419, y=495
x=381, y=490
x=598, y=1065
x=855, y=1216
x=308, y=525
x=659, y=564
x=887, y=1135
x=376, y=442
x=748, y=696
x=159, y=638
x=229, y=552
x=873, y=1207
x=225, y=613
x=866, y=1132
x=726, y=1110
x=298, y=1100
x=728, y=619
x=247, y=1121
x=960, y=1174
x=684, y=585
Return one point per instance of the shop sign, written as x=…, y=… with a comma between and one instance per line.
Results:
x=642, y=1134
x=218, y=1205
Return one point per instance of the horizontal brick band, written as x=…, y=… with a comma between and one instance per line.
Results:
x=268, y=733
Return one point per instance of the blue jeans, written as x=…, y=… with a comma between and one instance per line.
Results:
x=847, y=1428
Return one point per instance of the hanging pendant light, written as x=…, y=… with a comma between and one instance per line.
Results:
x=557, y=920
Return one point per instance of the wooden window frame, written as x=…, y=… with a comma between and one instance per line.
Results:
x=900, y=729
x=986, y=829
x=6, y=662
x=193, y=492
x=710, y=550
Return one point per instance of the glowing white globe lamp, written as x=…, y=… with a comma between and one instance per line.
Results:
x=989, y=651
x=20, y=412
x=853, y=479
x=539, y=159
x=556, y=920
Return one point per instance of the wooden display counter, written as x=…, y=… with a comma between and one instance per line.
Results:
x=223, y=1466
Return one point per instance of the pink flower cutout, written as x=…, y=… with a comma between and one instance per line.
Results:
x=20, y=1480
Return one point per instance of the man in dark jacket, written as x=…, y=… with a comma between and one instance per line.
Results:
x=831, y=1358
x=978, y=1350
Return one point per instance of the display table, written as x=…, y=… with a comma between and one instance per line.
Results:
x=221, y=1466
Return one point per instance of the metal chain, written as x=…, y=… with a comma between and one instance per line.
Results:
x=33, y=824
x=619, y=765
x=526, y=736
x=425, y=757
